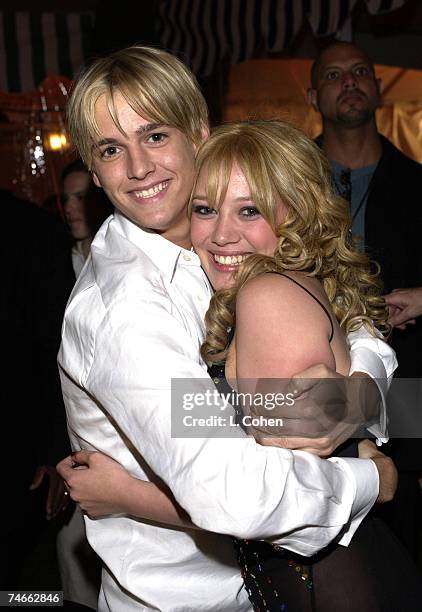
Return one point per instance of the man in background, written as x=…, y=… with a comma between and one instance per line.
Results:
x=381, y=185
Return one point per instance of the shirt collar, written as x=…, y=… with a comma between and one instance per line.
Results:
x=165, y=254
x=357, y=173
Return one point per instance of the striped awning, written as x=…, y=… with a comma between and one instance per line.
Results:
x=33, y=45
x=203, y=33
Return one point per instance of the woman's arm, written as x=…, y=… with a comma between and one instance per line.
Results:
x=280, y=330
x=102, y=487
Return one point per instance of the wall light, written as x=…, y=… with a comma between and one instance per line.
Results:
x=56, y=141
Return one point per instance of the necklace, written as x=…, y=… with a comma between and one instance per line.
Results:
x=362, y=200
x=345, y=191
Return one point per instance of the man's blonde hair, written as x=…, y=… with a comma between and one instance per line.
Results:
x=154, y=83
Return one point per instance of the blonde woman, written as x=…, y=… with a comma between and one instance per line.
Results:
x=274, y=237
x=274, y=240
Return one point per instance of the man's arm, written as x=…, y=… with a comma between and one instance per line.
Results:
x=318, y=389
x=231, y=486
x=103, y=487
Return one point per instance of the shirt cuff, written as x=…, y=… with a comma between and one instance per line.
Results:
x=367, y=361
x=371, y=355
x=364, y=474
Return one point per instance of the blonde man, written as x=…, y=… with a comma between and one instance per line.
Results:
x=135, y=321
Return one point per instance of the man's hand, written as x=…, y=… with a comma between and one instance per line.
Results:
x=386, y=470
x=404, y=306
x=98, y=483
x=57, y=497
x=328, y=409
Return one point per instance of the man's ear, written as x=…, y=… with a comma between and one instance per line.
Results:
x=313, y=98
x=96, y=179
x=205, y=132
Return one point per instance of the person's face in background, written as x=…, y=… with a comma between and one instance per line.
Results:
x=346, y=90
x=224, y=238
x=76, y=188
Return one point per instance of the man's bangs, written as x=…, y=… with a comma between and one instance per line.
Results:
x=83, y=116
x=140, y=101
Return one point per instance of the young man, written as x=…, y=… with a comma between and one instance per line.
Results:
x=134, y=322
x=381, y=184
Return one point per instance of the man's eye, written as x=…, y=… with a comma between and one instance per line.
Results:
x=202, y=210
x=249, y=211
x=362, y=71
x=109, y=151
x=157, y=138
x=332, y=75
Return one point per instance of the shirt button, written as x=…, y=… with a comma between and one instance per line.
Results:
x=186, y=257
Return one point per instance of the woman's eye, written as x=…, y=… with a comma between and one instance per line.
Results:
x=202, y=210
x=249, y=211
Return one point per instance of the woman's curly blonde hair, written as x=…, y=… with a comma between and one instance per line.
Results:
x=281, y=164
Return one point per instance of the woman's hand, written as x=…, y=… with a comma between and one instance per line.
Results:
x=99, y=484
x=386, y=469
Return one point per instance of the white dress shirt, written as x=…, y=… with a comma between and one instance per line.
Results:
x=134, y=321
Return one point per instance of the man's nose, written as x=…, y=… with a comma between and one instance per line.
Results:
x=349, y=80
x=139, y=164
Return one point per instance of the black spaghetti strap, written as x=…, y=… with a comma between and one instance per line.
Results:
x=312, y=296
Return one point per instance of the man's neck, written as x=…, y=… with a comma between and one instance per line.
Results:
x=181, y=241
x=352, y=147
x=179, y=232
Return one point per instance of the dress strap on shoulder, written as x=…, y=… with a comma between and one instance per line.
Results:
x=312, y=296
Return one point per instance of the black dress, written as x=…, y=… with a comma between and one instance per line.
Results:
x=373, y=574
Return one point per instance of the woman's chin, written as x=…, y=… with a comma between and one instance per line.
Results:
x=222, y=282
